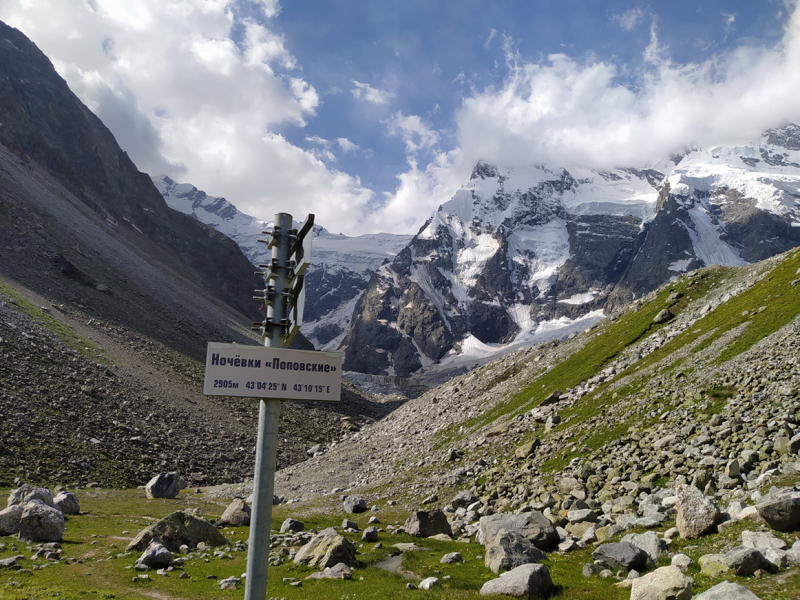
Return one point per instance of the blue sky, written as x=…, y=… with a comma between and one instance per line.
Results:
x=371, y=114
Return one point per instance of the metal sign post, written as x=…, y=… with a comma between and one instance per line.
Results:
x=273, y=373
x=269, y=413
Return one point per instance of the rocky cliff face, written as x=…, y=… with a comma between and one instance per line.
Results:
x=519, y=255
x=44, y=123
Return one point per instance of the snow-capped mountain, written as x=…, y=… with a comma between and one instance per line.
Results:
x=521, y=255
x=341, y=266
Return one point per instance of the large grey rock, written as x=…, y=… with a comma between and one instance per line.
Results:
x=532, y=525
x=164, y=485
x=155, y=555
x=355, y=504
x=292, y=525
x=337, y=571
x=429, y=583
x=666, y=583
x=370, y=534
x=713, y=565
x=781, y=510
x=463, y=499
x=178, y=529
x=26, y=492
x=9, y=519
x=237, y=514
x=427, y=523
x=762, y=540
x=326, y=549
x=41, y=523
x=793, y=554
x=67, y=503
x=727, y=591
x=526, y=581
x=229, y=583
x=696, y=513
x=744, y=562
x=649, y=542
x=509, y=550
x=621, y=555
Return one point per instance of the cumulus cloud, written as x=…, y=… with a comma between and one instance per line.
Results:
x=346, y=145
x=570, y=112
x=415, y=134
x=196, y=91
x=364, y=91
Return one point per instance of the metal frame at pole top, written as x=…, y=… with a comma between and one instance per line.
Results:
x=268, y=417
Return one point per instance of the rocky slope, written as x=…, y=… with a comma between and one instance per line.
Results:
x=641, y=402
x=518, y=255
x=107, y=300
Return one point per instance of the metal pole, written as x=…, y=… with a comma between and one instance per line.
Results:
x=268, y=417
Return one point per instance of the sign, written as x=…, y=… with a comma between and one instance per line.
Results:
x=267, y=372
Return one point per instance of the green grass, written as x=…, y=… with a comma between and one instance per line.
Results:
x=764, y=308
x=610, y=341
x=85, y=347
x=94, y=544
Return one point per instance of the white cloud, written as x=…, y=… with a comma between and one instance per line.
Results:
x=566, y=112
x=630, y=19
x=183, y=98
x=729, y=22
x=364, y=91
x=346, y=145
x=415, y=133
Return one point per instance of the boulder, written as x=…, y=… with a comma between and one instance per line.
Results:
x=533, y=526
x=292, y=525
x=665, y=583
x=527, y=449
x=164, y=485
x=67, y=503
x=452, y=557
x=621, y=555
x=793, y=554
x=662, y=317
x=696, y=513
x=727, y=591
x=370, y=534
x=526, y=581
x=26, y=492
x=509, y=550
x=40, y=523
x=229, y=583
x=682, y=561
x=337, y=571
x=649, y=542
x=237, y=514
x=744, y=562
x=429, y=583
x=713, y=565
x=427, y=523
x=177, y=529
x=155, y=555
x=10, y=562
x=463, y=499
x=762, y=540
x=355, y=504
x=348, y=524
x=9, y=519
x=326, y=549
x=781, y=510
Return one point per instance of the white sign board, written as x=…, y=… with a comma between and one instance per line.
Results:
x=265, y=372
